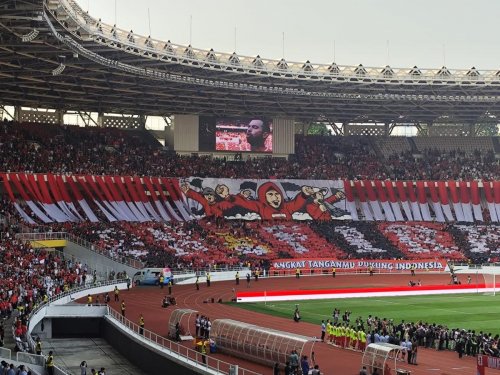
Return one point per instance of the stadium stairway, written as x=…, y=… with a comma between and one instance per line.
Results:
x=496, y=145
x=9, y=342
x=413, y=145
x=376, y=148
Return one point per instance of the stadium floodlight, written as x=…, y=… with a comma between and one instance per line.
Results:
x=31, y=36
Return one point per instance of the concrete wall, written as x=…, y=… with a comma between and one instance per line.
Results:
x=215, y=276
x=96, y=261
x=146, y=358
x=283, y=136
x=186, y=135
x=35, y=323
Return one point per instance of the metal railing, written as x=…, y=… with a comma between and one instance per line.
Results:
x=5, y=353
x=148, y=47
x=175, y=349
x=203, y=271
x=31, y=359
x=87, y=286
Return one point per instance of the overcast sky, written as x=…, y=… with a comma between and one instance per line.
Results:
x=401, y=33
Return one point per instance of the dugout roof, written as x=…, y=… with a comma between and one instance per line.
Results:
x=55, y=55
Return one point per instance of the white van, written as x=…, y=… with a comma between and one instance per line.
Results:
x=151, y=276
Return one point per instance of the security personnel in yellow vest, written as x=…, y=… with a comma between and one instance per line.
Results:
x=89, y=300
x=38, y=346
x=141, y=325
x=117, y=294
x=123, y=308
x=162, y=280
x=204, y=352
x=170, y=287
x=297, y=273
x=328, y=330
x=362, y=340
x=333, y=272
x=49, y=363
x=208, y=279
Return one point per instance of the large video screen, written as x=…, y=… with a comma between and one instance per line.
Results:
x=252, y=134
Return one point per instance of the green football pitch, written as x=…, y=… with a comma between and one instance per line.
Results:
x=468, y=311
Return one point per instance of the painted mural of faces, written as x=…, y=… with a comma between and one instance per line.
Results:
x=274, y=198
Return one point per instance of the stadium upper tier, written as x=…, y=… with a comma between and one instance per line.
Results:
x=55, y=55
x=42, y=148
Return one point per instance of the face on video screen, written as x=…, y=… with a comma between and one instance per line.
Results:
x=249, y=134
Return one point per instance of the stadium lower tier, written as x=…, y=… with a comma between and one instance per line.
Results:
x=204, y=243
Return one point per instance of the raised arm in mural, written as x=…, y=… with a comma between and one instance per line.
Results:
x=321, y=208
x=213, y=204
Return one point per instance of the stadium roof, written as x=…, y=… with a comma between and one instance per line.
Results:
x=55, y=55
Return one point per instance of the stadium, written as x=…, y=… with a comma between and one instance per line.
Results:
x=275, y=193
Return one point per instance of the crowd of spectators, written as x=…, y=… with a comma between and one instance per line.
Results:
x=479, y=243
x=358, y=240
x=30, y=276
x=204, y=244
x=412, y=335
x=438, y=165
x=71, y=149
x=425, y=240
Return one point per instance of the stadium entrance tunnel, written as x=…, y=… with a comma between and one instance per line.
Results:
x=258, y=344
